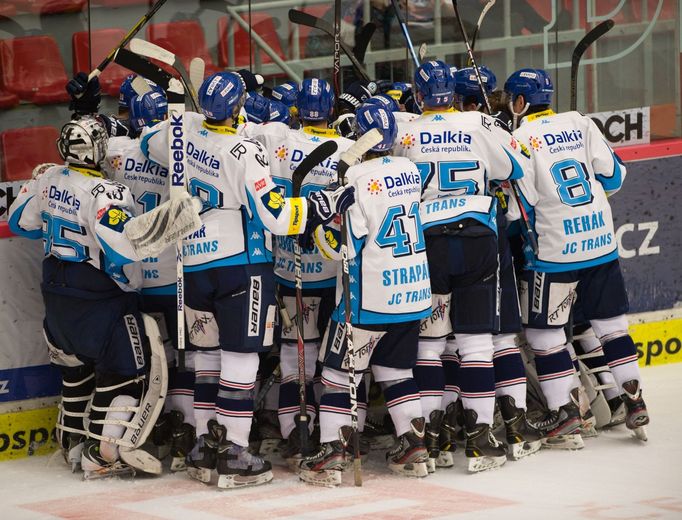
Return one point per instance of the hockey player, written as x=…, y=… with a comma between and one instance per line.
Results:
x=229, y=278
x=390, y=293
x=286, y=149
x=458, y=154
x=93, y=326
x=468, y=94
x=574, y=171
x=287, y=93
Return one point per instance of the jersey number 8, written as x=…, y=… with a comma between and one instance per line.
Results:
x=573, y=182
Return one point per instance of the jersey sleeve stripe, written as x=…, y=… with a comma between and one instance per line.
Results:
x=14, y=226
x=517, y=171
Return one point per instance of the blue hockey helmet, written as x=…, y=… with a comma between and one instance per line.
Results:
x=370, y=116
x=147, y=110
x=535, y=85
x=384, y=100
x=434, y=81
x=286, y=93
x=466, y=83
x=126, y=92
x=221, y=95
x=257, y=108
x=315, y=100
x=279, y=112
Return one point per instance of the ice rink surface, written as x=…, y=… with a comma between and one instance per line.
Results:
x=613, y=477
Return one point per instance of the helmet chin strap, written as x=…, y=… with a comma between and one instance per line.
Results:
x=516, y=116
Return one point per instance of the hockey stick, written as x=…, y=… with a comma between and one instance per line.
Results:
x=515, y=188
x=302, y=18
x=143, y=67
x=484, y=11
x=422, y=52
x=197, y=71
x=362, y=41
x=131, y=34
x=591, y=37
x=151, y=50
x=336, y=72
x=140, y=86
x=348, y=158
x=314, y=158
x=406, y=34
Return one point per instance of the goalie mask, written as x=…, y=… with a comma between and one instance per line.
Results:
x=83, y=142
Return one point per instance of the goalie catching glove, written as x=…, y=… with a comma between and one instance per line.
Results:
x=323, y=206
x=154, y=231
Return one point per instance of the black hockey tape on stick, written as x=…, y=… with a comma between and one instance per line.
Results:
x=143, y=67
x=302, y=18
x=362, y=41
x=131, y=34
x=591, y=37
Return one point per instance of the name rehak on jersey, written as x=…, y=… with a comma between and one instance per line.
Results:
x=57, y=198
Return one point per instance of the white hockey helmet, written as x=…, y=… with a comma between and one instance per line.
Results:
x=83, y=142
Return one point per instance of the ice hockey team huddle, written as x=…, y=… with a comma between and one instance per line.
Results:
x=392, y=268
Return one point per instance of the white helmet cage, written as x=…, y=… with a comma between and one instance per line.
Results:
x=83, y=142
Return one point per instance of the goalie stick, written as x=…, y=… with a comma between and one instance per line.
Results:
x=131, y=34
x=529, y=232
x=406, y=33
x=302, y=18
x=348, y=158
x=484, y=11
x=591, y=37
x=314, y=158
x=151, y=50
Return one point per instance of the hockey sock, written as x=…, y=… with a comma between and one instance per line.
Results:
x=576, y=365
x=289, y=406
x=78, y=383
x=510, y=375
x=335, y=403
x=556, y=375
x=181, y=390
x=621, y=356
x=403, y=403
x=597, y=362
x=207, y=375
x=477, y=375
x=234, y=404
x=428, y=373
x=451, y=362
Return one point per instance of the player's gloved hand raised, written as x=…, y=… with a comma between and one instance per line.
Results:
x=85, y=95
x=322, y=206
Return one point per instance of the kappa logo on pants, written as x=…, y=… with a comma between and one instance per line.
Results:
x=135, y=340
x=254, y=306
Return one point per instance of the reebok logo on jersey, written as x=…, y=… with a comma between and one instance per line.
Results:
x=374, y=187
x=254, y=306
x=178, y=149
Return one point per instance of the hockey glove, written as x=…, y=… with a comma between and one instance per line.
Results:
x=345, y=126
x=322, y=206
x=85, y=95
x=251, y=81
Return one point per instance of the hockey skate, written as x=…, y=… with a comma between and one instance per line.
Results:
x=408, y=457
x=291, y=450
x=73, y=450
x=158, y=444
x=96, y=467
x=238, y=468
x=379, y=432
x=618, y=411
x=637, y=416
x=561, y=428
x=521, y=438
x=432, y=438
x=482, y=449
x=268, y=432
x=446, y=439
x=588, y=422
x=326, y=466
x=183, y=438
x=201, y=461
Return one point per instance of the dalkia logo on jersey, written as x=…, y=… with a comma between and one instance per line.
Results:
x=571, y=136
x=63, y=196
x=374, y=187
x=281, y=153
x=150, y=167
x=203, y=157
x=447, y=137
x=407, y=141
x=404, y=179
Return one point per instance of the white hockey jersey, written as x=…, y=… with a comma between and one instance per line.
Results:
x=149, y=185
x=286, y=149
x=389, y=273
x=241, y=202
x=574, y=169
x=458, y=153
x=80, y=216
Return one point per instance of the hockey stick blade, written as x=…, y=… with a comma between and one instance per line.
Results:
x=484, y=11
x=197, y=70
x=360, y=148
x=302, y=18
x=151, y=50
x=314, y=158
x=143, y=67
x=582, y=46
x=362, y=41
x=423, y=49
x=140, y=86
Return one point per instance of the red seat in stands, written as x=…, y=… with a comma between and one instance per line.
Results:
x=263, y=24
x=185, y=39
x=32, y=68
x=103, y=41
x=8, y=100
x=119, y=3
x=304, y=31
x=7, y=10
x=50, y=6
x=22, y=149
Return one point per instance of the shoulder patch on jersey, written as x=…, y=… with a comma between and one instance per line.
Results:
x=115, y=218
x=535, y=142
x=273, y=201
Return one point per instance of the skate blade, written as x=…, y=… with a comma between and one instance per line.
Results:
x=204, y=475
x=178, y=464
x=413, y=469
x=446, y=459
x=588, y=431
x=520, y=450
x=270, y=447
x=431, y=465
x=142, y=460
x=294, y=462
x=381, y=442
x=640, y=433
x=325, y=478
x=564, y=442
x=238, y=481
x=118, y=470
x=477, y=464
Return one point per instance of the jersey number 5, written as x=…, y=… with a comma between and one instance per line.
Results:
x=392, y=231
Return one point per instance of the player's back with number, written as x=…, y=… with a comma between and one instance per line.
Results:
x=574, y=170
